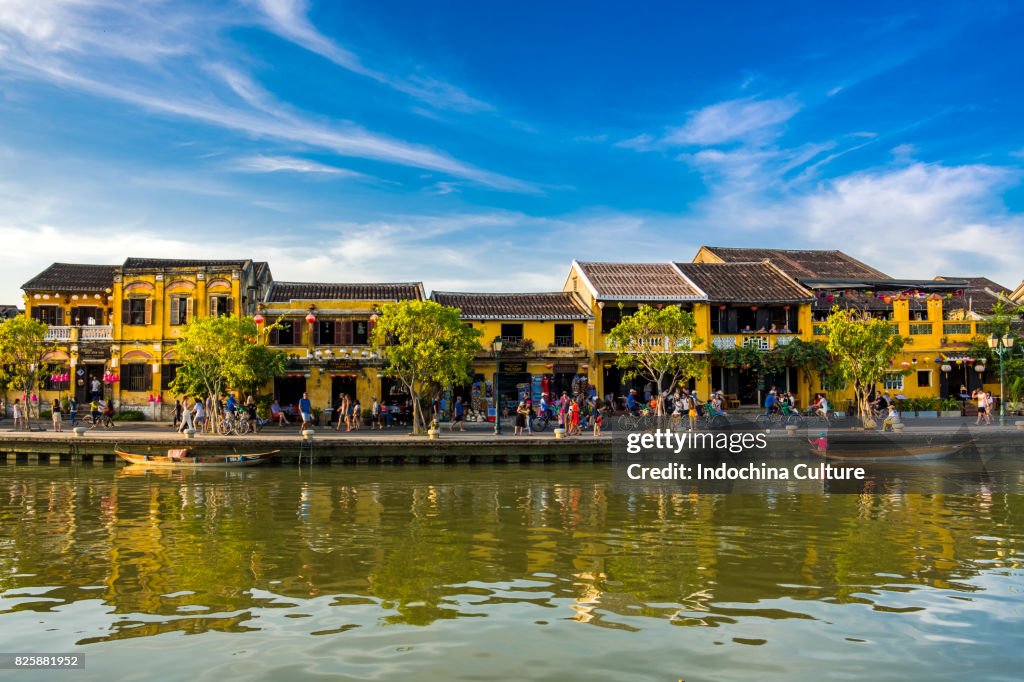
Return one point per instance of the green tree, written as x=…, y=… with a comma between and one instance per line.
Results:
x=22, y=347
x=424, y=344
x=658, y=345
x=810, y=357
x=861, y=350
x=217, y=353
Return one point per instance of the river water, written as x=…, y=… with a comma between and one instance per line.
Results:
x=499, y=573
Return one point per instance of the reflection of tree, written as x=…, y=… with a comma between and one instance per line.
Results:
x=431, y=544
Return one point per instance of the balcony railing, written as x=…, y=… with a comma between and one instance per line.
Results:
x=564, y=342
x=920, y=328
x=96, y=333
x=87, y=333
x=759, y=341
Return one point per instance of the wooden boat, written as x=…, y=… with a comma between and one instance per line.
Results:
x=878, y=452
x=184, y=458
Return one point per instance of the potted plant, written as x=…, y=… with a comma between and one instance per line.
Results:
x=927, y=408
x=434, y=431
x=950, y=407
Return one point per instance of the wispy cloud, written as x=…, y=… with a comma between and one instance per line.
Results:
x=273, y=164
x=61, y=46
x=289, y=19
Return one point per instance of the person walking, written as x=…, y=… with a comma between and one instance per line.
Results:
x=306, y=409
x=529, y=416
x=357, y=414
x=73, y=411
x=343, y=413
x=574, y=419
x=185, y=419
x=199, y=415
x=57, y=416
x=375, y=414
x=980, y=396
x=457, y=413
x=520, y=419
x=177, y=414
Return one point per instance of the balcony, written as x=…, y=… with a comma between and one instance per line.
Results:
x=61, y=334
x=758, y=341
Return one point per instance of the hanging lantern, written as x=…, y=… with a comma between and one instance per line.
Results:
x=979, y=368
x=754, y=308
x=258, y=319
x=905, y=364
x=913, y=361
x=830, y=298
x=722, y=307
x=786, y=308
x=887, y=299
x=946, y=368
x=310, y=317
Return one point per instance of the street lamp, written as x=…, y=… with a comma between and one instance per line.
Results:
x=1001, y=346
x=496, y=344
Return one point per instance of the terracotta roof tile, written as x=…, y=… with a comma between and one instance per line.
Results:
x=555, y=305
x=282, y=292
x=745, y=283
x=639, y=282
x=803, y=264
x=72, y=277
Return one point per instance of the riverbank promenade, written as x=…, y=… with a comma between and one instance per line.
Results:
x=477, y=444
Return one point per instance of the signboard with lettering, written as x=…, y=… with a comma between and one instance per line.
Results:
x=513, y=368
x=564, y=369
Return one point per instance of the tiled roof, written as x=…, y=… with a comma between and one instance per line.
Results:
x=744, y=282
x=282, y=292
x=803, y=264
x=555, y=305
x=260, y=267
x=8, y=311
x=980, y=295
x=160, y=263
x=639, y=282
x=72, y=277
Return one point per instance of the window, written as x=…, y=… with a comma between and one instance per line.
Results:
x=325, y=330
x=86, y=315
x=139, y=378
x=182, y=309
x=167, y=374
x=48, y=314
x=220, y=306
x=51, y=371
x=893, y=381
x=360, y=332
x=564, y=336
x=284, y=334
x=137, y=311
x=924, y=378
x=612, y=315
x=512, y=333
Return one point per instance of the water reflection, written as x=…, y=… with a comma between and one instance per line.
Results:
x=326, y=552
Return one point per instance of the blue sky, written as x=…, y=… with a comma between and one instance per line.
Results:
x=483, y=146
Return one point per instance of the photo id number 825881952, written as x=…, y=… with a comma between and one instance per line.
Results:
x=39, y=661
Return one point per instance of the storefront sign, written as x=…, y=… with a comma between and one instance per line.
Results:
x=513, y=368
x=564, y=369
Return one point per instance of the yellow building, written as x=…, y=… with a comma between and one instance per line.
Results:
x=545, y=344
x=612, y=291
x=152, y=298
x=75, y=301
x=324, y=329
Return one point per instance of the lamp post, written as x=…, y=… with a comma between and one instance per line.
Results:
x=496, y=344
x=1001, y=346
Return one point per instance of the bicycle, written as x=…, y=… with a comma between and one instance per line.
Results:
x=238, y=424
x=541, y=421
x=103, y=420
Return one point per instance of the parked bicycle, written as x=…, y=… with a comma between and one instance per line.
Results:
x=103, y=420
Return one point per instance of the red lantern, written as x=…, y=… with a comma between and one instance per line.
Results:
x=754, y=308
x=310, y=317
x=786, y=308
x=258, y=319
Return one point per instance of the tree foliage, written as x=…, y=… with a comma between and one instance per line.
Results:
x=22, y=347
x=425, y=345
x=216, y=353
x=658, y=345
x=861, y=350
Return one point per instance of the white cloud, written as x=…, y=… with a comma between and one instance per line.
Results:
x=289, y=19
x=272, y=164
x=738, y=120
x=66, y=43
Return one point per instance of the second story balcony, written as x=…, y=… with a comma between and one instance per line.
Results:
x=759, y=341
x=86, y=334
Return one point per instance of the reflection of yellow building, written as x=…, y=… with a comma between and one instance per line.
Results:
x=545, y=342
x=324, y=328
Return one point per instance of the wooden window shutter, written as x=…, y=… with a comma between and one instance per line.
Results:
x=211, y=310
x=126, y=311
x=149, y=311
x=346, y=333
x=314, y=331
x=274, y=338
x=175, y=309
x=190, y=304
x=337, y=333
x=230, y=305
